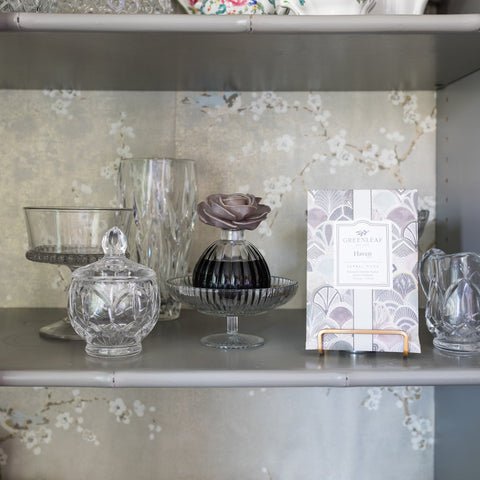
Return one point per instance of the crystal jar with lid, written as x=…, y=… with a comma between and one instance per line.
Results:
x=113, y=303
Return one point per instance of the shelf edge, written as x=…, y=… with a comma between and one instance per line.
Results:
x=177, y=23
x=255, y=24
x=233, y=379
x=56, y=378
x=425, y=377
x=228, y=379
x=9, y=22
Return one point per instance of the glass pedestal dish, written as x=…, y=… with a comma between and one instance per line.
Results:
x=232, y=303
x=69, y=236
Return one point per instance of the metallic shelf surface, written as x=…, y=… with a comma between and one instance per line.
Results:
x=228, y=53
x=173, y=357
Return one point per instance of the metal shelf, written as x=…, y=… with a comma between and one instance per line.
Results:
x=173, y=357
x=182, y=52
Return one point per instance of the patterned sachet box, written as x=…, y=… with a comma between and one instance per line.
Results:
x=362, y=259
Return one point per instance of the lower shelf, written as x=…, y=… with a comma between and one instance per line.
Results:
x=174, y=357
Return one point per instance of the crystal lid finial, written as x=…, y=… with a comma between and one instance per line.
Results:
x=114, y=242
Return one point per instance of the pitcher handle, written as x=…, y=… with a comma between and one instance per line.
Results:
x=423, y=273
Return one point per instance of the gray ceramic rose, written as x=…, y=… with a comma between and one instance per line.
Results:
x=236, y=211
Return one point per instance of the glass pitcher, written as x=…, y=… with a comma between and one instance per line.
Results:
x=451, y=283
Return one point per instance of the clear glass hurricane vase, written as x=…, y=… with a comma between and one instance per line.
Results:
x=163, y=195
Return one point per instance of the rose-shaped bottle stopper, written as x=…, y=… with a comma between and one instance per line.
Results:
x=236, y=211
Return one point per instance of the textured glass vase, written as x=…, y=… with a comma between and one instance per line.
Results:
x=163, y=195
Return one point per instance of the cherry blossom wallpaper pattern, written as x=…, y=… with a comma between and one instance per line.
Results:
x=64, y=148
x=209, y=434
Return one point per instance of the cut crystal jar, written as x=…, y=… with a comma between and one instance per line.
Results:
x=114, y=302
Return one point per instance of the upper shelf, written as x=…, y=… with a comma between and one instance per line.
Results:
x=289, y=53
x=174, y=357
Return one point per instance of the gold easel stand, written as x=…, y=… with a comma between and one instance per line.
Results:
x=353, y=331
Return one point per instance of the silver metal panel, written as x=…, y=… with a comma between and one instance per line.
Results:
x=456, y=433
x=181, y=52
x=174, y=357
x=458, y=166
x=458, y=229
x=461, y=6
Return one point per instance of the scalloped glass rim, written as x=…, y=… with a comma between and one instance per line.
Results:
x=221, y=302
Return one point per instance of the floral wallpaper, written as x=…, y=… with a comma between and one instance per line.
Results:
x=64, y=148
x=255, y=434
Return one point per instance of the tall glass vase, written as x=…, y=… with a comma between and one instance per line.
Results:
x=163, y=195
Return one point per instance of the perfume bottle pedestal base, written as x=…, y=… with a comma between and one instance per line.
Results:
x=230, y=303
x=232, y=341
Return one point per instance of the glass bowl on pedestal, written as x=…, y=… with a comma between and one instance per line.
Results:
x=69, y=236
x=232, y=303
